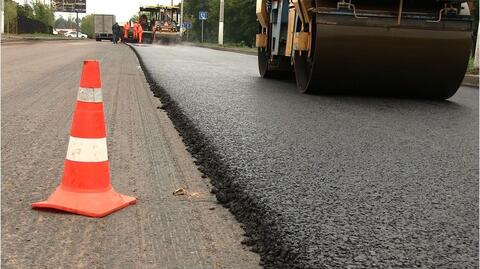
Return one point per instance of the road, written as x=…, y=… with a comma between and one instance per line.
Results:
x=327, y=181
x=148, y=160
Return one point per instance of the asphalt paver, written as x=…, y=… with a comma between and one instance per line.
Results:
x=147, y=158
x=327, y=181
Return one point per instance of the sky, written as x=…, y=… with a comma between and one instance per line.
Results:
x=122, y=9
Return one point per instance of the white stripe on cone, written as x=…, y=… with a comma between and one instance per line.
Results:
x=90, y=95
x=87, y=149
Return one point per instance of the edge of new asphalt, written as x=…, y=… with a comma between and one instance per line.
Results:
x=261, y=235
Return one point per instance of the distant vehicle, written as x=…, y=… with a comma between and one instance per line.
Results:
x=63, y=31
x=103, y=26
x=159, y=24
x=74, y=34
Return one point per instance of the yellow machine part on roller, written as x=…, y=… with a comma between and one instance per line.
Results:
x=167, y=34
x=395, y=46
x=166, y=37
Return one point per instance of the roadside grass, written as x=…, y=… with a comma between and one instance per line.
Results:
x=471, y=69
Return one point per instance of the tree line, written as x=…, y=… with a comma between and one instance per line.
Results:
x=34, y=14
x=85, y=24
x=39, y=13
x=240, y=25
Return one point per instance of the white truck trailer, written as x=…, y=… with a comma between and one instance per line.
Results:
x=103, y=26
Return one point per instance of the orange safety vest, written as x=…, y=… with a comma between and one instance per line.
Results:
x=126, y=26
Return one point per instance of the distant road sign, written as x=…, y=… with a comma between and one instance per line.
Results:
x=187, y=25
x=79, y=6
x=203, y=15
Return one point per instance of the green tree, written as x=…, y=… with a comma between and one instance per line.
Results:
x=25, y=11
x=68, y=23
x=240, y=20
x=210, y=26
x=10, y=13
x=86, y=25
x=43, y=13
x=475, y=13
x=60, y=23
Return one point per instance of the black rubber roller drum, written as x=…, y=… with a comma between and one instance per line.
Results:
x=426, y=59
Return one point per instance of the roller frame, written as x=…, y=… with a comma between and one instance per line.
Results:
x=272, y=58
x=262, y=16
x=443, y=67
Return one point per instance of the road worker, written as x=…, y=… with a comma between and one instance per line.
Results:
x=140, y=33
x=115, y=32
x=126, y=28
x=135, y=30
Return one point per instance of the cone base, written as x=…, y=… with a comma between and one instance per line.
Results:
x=91, y=204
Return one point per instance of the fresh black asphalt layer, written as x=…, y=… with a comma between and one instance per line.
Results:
x=327, y=181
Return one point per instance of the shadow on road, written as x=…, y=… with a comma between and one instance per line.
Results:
x=285, y=85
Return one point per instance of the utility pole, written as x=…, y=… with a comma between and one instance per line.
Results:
x=2, y=18
x=181, y=18
x=76, y=11
x=475, y=60
x=220, y=22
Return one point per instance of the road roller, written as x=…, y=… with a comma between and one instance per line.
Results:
x=389, y=46
x=160, y=24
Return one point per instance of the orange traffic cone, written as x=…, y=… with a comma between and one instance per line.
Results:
x=85, y=188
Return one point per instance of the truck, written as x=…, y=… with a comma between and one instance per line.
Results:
x=103, y=26
x=406, y=46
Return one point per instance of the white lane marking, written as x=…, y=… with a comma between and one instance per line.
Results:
x=87, y=149
x=91, y=95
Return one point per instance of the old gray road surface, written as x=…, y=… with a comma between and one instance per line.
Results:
x=328, y=180
x=147, y=158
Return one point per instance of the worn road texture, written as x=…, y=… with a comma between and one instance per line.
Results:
x=148, y=160
x=327, y=181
